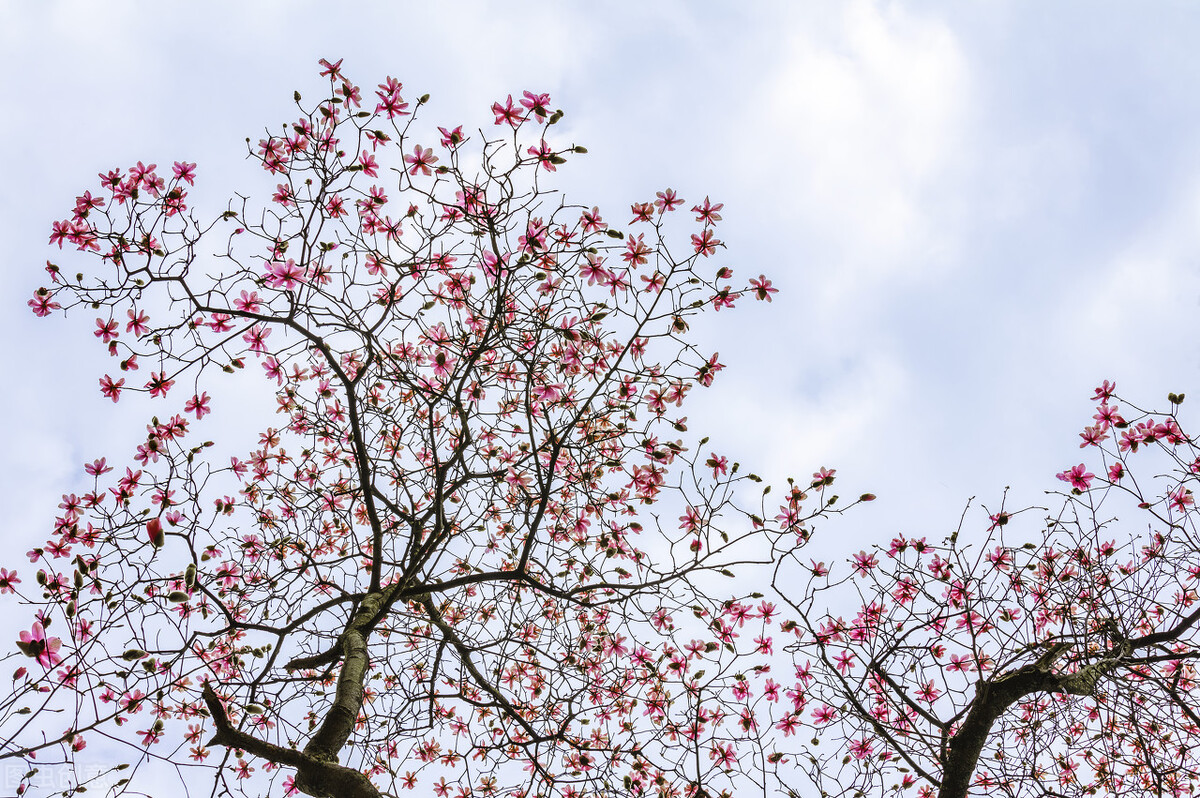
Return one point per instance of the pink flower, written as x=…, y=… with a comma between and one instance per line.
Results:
x=62, y=231
x=285, y=275
x=537, y=103
x=723, y=754
x=370, y=167
x=861, y=748
x=1001, y=558
x=928, y=693
x=390, y=99
x=1107, y=416
x=642, y=212
x=420, y=160
x=185, y=171
x=593, y=271
x=159, y=384
x=132, y=701
x=762, y=288
x=667, y=200
x=7, y=580
x=34, y=643
x=198, y=405
x=228, y=573
x=137, y=322
x=864, y=563
x=544, y=155
x=507, y=113
x=636, y=251
x=707, y=212
x=106, y=330
x=256, y=337
x=788, y=725
x=690, y=521
x=823, y=477
x=143, y=175
x=41, y=304
x=111, y=389
x=1105, y=391
x=1079, y=477
x=591, y=220
x=451, y=138
x=1092, y=436
x=1181, y=499
x=334, y=70
x=247, y=303
x=706, y=243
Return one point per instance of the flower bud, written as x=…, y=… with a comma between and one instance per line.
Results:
x=154, y=532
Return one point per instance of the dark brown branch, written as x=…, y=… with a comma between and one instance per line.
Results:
x=326, y=657
x=230, y=736
x=318, y=771
x=1167, y=636
x=993, y=697
x=317, y=777
x=339, y=721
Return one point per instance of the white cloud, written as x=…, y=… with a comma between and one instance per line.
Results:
x=868, y=115
x=787, y=428
x=1129, y=306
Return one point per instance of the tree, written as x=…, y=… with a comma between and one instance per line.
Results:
x=473, y=556
x=1060, y=662
x=454, y=559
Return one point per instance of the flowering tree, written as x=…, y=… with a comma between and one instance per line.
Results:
x=1057, y=663
x=453, y=560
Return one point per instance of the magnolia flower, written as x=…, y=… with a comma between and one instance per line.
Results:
x=34, y=643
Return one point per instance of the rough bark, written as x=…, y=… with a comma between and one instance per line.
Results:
x=994, y=696
x=315, y=776
x=317, y=770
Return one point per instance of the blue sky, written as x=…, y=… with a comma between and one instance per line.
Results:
x=975, y=212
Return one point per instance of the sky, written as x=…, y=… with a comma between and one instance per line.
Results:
x=975, y=212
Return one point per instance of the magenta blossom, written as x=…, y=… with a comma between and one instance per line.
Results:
x=1079, y=477
x=34, y=643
